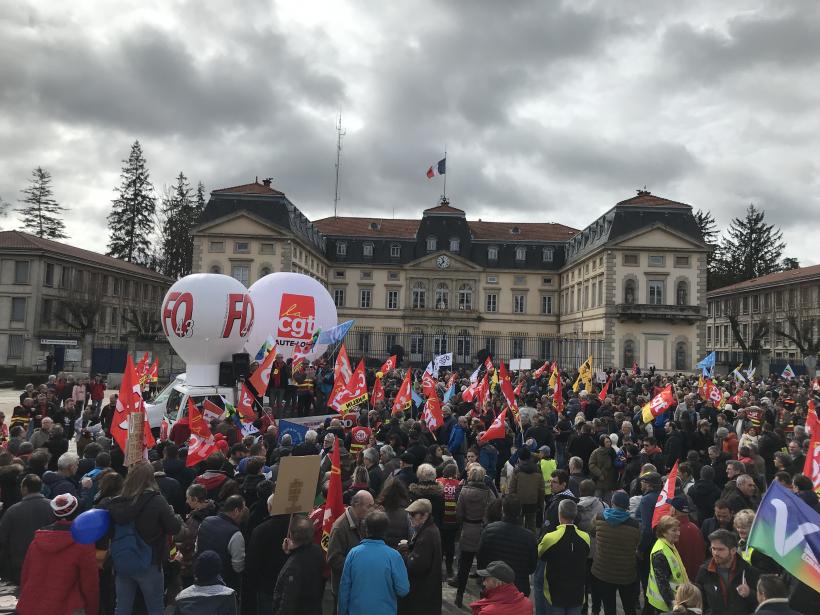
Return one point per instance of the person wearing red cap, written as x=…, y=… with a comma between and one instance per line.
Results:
x=59, y=575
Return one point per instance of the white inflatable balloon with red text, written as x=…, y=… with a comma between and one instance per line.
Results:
x=290, y=308
x=207, y=317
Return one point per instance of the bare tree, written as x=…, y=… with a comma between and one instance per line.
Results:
x=800, y=332
x=146, y=323
x=759, y=331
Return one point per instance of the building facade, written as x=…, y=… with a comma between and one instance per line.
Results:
x=630, y=287
x=774, y=315
x=64, y=301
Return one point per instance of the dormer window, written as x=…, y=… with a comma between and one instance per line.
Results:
x=455, y=244
x=521, y=254
x=492, y=253
x=432, y=244
x=367, y=249
x=341, y=248
x=547, y=254
x=375, y=226
x=515, y=230
x=395, y=250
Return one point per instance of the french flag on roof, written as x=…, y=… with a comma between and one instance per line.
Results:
x=440, y=168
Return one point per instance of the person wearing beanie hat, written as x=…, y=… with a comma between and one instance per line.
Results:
x=70, y=568
x=614, y=569
x=208, y=595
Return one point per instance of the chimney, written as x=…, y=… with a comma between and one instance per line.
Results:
x=266, y=182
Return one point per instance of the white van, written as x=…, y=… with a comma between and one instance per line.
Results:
x=175, y=396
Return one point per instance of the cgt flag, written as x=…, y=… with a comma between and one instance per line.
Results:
x=787, y=529
x=662, y=505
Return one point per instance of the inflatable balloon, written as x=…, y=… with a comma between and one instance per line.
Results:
x=290, y=308
x=90, y=526
x=207, y=317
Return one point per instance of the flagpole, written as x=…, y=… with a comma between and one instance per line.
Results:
x=444, y=195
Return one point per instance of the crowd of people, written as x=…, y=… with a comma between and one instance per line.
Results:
x=553, y=517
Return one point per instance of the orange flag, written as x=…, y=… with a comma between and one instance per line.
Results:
x=128, y=401
x=334, y=505
x=403, y=397
x=604, y=391
x=261, y=377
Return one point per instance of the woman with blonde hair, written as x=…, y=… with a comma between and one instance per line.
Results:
x=666, y=569
x=687, y=600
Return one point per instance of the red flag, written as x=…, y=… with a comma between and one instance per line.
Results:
x=244, y=405
x=388, y=365
x=128, y=401
x=483, y=392
x=498, y=430
x=299, y=358
x=659, y=404
x=662, y=506
x=142, y=365
x=518, y=388
x=540, y=371
x=811, y=467
x=558, y=396
x=432, y=414
x=154, y=371
x=334, y=505
x=342, y=367
x=428, y=384
x=403, y=398
x=507, y=390
x=604, y=391
x=378, y=393
x=164, y=428
x=355, y=391
x=261, y=377
x=210, y=411
x=471, y=391
x=196, y=422
x=812, y=421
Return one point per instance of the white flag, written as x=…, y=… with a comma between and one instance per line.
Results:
x=444, y=360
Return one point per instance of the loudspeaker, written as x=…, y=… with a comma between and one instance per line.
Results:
x=241, y=365
x=226, y=378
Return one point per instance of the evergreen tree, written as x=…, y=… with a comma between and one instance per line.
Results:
x=790, y=263
x=132, y=216
x=181, y=212
x=4, y=208
x=752, y=249
x=708, y=229
x=42, y=215
x=200, y=199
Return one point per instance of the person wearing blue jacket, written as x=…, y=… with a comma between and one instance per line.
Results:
x=374, y=575
x=457, y=444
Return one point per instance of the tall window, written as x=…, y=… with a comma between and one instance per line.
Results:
x=440, y=343
x=442, y=296
x=455, y=244
x=490, y=345
x=517, y=347
x=519, y=304
x=241, y=273
x=682, y=294
x=630, y=292
x=492, y=302
x=680, y=356
x=47, y=311
x=492, y=254
x=547, y=254
x=432, y=244
x=465, y=297
x=463, y=347
x=521, y=254
x=364, y=342
x=339, y=297
x=392, y=300
x=546, y=304
x=655, y=289
x=341, y=248
x=16, y=343
x=629, y=353
x=367, y=249
x=395, y=250
x=546, y=348
x=390, y=340
x=416, y=345
x=419, y=296
x=18, y=309
x=365, y=297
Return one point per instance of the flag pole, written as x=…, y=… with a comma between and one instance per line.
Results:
x=444, y=195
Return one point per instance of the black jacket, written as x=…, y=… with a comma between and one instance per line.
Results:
x=722, y=600
x=512, y=544
x=551, y=516
x=153, y=517
x=17, y=529
x=423, y=561
x=704, y=493
x=299, y=585
x=264, y=557
x=175, y=468
x=775, y=606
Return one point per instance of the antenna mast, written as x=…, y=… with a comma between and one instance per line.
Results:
x=339, y=134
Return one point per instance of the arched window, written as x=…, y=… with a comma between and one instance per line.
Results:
x=465, y=297
x=264, y=271
x=629, y=354
x=216, y=269
x=419, y=295
x=630, y=292
x=442, y=296
x=682, y=294
x=680, y=356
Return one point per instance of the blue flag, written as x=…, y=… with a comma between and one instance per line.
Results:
x=297, y=432
x=707, y=364
x=788, y=530
x=335, y=334
x=450, y=393
x=416, y=398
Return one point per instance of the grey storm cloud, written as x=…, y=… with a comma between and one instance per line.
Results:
x=549, y=111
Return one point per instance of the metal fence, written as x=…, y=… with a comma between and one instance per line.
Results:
x=419, y=348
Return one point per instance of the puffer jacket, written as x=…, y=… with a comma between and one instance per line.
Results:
x=513, y=545
x=434, y=492
x=615, y=544
x=528, y=483
x=602, y=468
x=471, y=508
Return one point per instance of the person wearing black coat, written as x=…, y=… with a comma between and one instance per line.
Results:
x=18, y=525
x=264, y=559
x=175, y=467
x=704, y=493
x=675, y=446
x=508, y=541
x=422, y=556
x=299, y=587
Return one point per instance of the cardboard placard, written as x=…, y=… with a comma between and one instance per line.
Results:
x=295, y=485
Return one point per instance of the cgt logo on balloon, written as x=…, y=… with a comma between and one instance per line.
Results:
x=178, y=311
x=297, y=320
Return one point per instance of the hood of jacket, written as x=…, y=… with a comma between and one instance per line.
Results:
x=503, y=594
x=211, y=480
x=51, y=478
x=588, y=503
x=206, y=511
x=424, y=490
x=528, y=466
x=54, y=541
x=125, y=510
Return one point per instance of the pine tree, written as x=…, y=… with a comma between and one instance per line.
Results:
x=4, y=208
x=751, y=249
x=200, y=199
x=706, y=224
x=42, y=215
x=181, y=213
x=132, y=216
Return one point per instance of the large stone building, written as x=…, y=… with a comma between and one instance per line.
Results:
x=630, y=287
x=775, y=313
x=64, y=301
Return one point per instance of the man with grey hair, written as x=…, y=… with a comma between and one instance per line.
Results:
x=564, y=553
x=299, y=586
x=734, y=468
x=746, y=496
x=42, y=434
x=347, y=532
x=375, y=478
x=63, y=481
x=387, y=458
x=308, y=446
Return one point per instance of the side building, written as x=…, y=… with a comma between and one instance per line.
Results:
x=630, y=287
x=776, y=316
x=63, y=301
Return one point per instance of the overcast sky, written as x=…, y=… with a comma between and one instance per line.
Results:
x=549, y=111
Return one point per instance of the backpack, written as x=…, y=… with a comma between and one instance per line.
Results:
x=129, y=552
